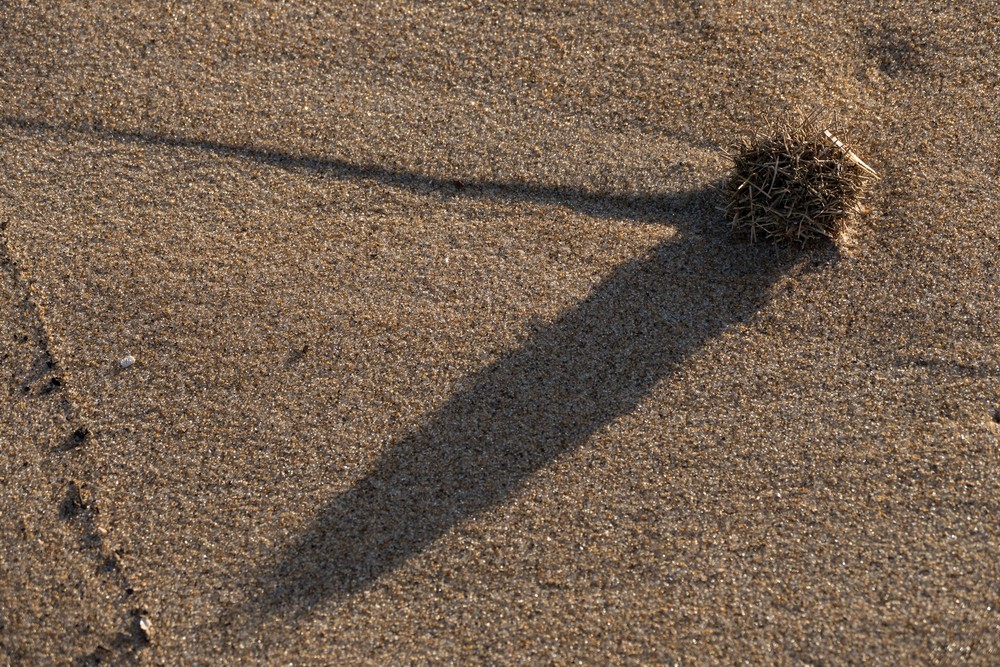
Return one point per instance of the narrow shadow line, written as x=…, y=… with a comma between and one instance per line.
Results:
x=640, y=207
x=592, y=365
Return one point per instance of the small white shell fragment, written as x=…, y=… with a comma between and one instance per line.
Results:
x=126, y=361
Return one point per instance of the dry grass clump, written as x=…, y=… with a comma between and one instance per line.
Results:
x=795, y=182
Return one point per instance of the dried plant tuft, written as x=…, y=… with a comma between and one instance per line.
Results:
x=795, y=182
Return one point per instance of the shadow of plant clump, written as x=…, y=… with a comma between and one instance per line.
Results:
x=589, y=367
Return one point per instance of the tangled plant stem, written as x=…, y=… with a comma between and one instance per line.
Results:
x=795, y=182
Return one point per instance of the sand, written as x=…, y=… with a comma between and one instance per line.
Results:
x=444, y=353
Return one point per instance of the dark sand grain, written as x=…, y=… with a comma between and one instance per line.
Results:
x=444, y=354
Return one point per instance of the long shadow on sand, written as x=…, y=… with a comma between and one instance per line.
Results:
x=595, y=363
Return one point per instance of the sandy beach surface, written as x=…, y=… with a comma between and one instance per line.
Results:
x=443, y=353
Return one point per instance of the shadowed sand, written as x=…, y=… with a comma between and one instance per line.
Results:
x=572, y=377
